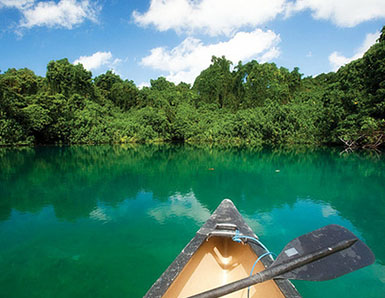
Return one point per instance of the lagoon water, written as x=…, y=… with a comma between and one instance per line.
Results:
x=106, y=221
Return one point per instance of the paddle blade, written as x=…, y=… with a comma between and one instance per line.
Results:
x=339, y=263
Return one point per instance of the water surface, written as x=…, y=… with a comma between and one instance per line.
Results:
x=106, y=221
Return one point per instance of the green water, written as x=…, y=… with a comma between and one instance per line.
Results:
x=103, y=221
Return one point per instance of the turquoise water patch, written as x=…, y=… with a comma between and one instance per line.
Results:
x=106, y=221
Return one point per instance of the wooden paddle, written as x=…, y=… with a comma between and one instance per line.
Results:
x=323, y=254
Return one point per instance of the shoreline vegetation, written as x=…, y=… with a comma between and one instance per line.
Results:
x=249, y=104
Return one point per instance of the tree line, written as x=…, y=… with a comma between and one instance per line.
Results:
x=253, y=103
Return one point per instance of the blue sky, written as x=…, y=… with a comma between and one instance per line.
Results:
x=142, y=40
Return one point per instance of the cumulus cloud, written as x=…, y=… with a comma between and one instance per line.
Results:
x=217, y=17
x=210, y=16
x=188, y=59
x=337, y=60
x=19, y=4
x=144, y=84
x=65, y=13
x=96, y=60
x=343, y=13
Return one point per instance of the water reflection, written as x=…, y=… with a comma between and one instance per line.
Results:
x=93, y=181
x=180, y=206
x=99, y=214
x=328, y=211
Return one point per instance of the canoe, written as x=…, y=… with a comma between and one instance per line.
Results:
x=214, y=258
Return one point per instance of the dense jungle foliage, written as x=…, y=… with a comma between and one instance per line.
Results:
x=250, y=103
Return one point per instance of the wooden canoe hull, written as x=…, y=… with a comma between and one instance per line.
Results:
x=212, y=259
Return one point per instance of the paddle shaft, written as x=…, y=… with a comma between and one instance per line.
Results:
x=275, y=271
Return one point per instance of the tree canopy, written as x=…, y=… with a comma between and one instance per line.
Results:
x=252, y=103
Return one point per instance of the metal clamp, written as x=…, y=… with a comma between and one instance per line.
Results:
x=223, y=230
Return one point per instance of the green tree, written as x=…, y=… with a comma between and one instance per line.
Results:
x=67, y=79
x=266, y=81
x=106, y=81
x=215, y=84
x=124, y=94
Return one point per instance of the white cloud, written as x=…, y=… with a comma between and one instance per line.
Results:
x=19, y=4
x=211, y=16
x=65, y=13
x=337, y=60
x=144, y=84
x=344, y=13
x=187, y=60
x=97, y=60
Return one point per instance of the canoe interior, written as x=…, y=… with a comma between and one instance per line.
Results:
x=217, y=262
x=212, y=259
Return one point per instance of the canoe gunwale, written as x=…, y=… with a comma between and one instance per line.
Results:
x=225, y=214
